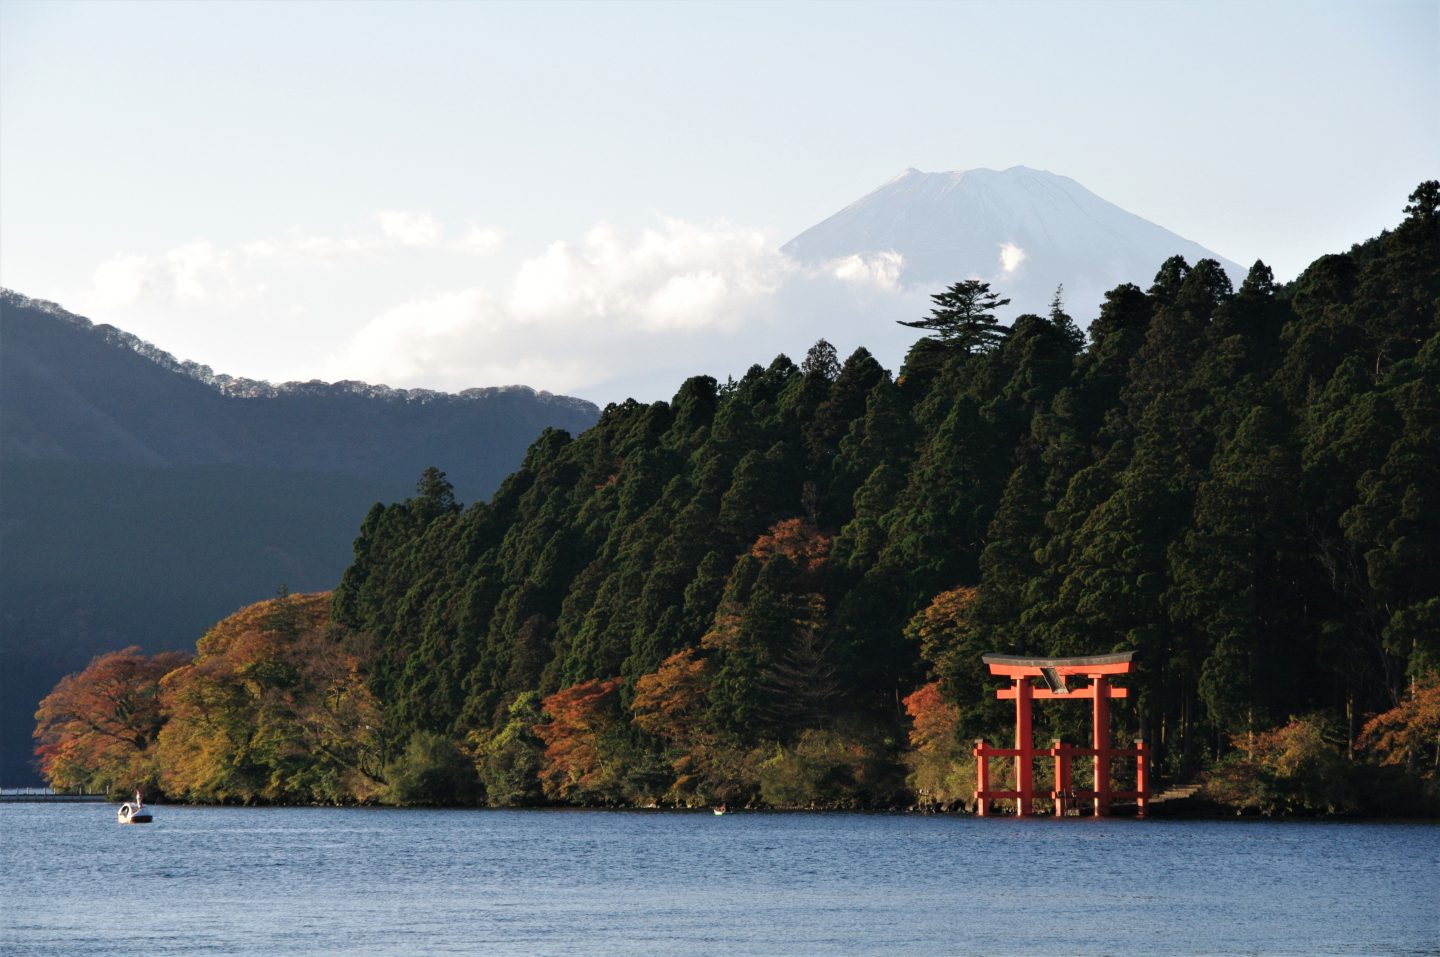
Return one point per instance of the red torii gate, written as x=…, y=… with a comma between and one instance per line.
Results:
x=1054, y=672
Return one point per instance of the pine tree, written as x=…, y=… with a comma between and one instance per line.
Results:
x=964, y=317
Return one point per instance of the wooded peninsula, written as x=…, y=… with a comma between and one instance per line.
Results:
x=776, y=591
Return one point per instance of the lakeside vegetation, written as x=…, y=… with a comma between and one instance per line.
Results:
x=776, y=591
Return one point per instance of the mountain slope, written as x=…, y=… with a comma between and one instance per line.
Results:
x=145, y=498
x=74, y=391
x=1026, y=231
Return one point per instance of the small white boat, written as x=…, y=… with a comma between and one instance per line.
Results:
x=136, y=813
x=719, y=809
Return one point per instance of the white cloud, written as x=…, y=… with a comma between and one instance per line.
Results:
x=456, y=340
x=193, y=273
x=613, y=313
x=189, y=266
x=680, y=276
x=199, y=271
x=1011, y=256
x=481, y=240
x=123, y=280
x=882, y=270
x=633, y=312
x=409, y=228
x=327, y=247
x=607, y=307
x=691, y=299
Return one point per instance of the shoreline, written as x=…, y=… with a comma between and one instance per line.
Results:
x=1178, y=815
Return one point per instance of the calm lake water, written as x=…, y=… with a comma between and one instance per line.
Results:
x=413, y=883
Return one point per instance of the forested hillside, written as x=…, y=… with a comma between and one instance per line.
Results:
x=777, y=590
x=740, y=592
x=145, y=497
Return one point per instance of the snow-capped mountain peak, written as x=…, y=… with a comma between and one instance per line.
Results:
x=1026, y=231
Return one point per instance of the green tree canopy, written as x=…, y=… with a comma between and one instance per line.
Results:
x=964, y=317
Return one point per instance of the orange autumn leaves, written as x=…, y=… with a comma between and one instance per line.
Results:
x=671, y=704
x=581, y=717
x=273, y=707
x=941, y=771
x=1408, y=735
x=97, y=730
x=797, y=540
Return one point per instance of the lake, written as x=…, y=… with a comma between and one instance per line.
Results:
x=310, y=881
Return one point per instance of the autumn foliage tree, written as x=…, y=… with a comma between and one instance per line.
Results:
x=799, y=541
x=941, y=769
x=98, y=729
x=709, y=765
x=1408, y=735
x=951, y=641
x=582, y=721
x=1296, y=768
x=274, y=708
x=670, y=703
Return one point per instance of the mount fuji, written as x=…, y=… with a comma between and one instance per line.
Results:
x=1024, y=231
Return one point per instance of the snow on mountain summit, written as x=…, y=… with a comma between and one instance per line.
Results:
x=1025, y=231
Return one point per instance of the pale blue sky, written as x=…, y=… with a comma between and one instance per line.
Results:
x=211, y=175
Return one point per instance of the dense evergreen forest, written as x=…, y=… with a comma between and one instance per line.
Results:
x=777, y=590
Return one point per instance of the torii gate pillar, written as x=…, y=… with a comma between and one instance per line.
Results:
x=1100, y=737
x=1024, y=763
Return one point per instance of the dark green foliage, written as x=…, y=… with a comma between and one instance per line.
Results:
x=1241, y=485
x=431, y=770
x=508, y=761
x=832, y=769
x=964, y=317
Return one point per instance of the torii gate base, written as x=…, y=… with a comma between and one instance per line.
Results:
x=1066, y=797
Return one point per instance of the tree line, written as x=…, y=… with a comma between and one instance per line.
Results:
x=777, y=589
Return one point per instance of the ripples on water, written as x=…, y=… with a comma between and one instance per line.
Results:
x=409, y=883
